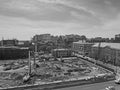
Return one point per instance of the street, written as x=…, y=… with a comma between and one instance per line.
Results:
x=97, y=86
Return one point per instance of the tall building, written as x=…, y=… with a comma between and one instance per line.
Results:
x=82, y=47
x=117, y=38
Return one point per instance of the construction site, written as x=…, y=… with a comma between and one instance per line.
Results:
x=41, y=71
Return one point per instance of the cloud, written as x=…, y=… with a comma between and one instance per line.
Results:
x=89, y=17
x=24, y=29
x=69, y=4
x=34, y=9
x=112, y=24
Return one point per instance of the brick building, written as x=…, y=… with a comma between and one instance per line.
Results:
x=82, y=47
x=61, y=53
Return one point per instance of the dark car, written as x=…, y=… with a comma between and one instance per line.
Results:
x=7, y=68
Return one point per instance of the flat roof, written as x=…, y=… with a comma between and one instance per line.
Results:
x=13, y=47
x=83, y=43
x=111, y=45
x=60, y=49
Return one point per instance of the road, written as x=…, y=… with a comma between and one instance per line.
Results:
x=97, y=86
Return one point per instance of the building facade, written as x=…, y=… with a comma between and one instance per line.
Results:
x=82, y=47
x=24, y=43
x=42, y=38
x=12, y=52
x=117, y=38
x=107, y=52
x=12, y=42
x=62, y=53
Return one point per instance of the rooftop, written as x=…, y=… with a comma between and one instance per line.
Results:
x=82, y=42
x=60, y=49
x=111, y=45
x=13, y=47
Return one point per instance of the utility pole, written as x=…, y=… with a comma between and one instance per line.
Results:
x=35, y=44
x=29, y=64
x=35, y=52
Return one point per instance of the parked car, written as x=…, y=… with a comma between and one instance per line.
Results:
x=117, y=81
x=15, y=67
x=7, y=68
x=110, y=88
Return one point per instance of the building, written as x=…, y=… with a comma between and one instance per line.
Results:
x=24, y=43
x=106, y=52
x=12, y=42
x=60, y=42
x=42, y=38
x=99, y=39
x=75, y=38
x=61, y=53
x=82, y=47
x=117, y=38
x=13, y=52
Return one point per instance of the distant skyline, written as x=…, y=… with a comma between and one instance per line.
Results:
x=22, y=19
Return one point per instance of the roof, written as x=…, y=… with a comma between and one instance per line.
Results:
x=60, y=49
x=13, y=47
x=80, y=42
x=111, y=45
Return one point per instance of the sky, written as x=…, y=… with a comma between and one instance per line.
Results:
x=21, y=19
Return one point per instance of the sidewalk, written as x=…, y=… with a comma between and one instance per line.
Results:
x=114, y=68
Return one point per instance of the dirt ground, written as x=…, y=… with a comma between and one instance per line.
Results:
x=48, y=71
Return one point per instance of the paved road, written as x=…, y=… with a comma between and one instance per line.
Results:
x=97, y=86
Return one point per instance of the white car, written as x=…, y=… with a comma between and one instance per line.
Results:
x=110, y=88
x=117, y=81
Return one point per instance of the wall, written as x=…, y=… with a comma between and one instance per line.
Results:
x=82, y=48
x=106, y=54
x=13, y=53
